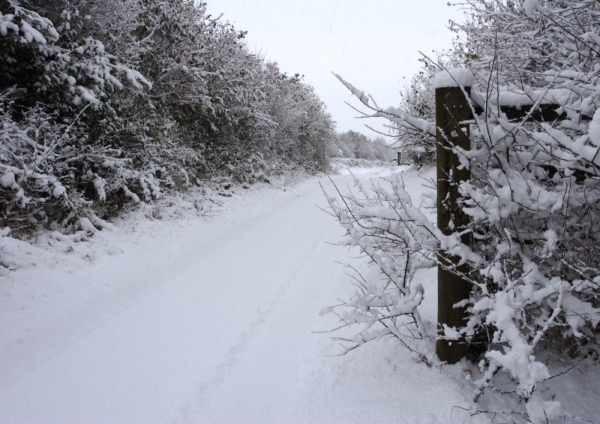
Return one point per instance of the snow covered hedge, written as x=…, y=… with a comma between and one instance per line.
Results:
x=534, y=202
x=112, y=102
x=53, y=96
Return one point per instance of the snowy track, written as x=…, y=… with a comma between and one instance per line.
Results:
x=223, y=334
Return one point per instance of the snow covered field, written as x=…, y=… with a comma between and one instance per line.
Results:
x=212, y=319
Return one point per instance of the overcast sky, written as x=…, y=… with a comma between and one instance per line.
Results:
x=373, y=44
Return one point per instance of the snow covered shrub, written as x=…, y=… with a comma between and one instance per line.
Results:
x=534, y=191
x=49, y=178
x=56, y=125
x=533, y=198
x=30, y=190
x=383, y=223
x=64, y=76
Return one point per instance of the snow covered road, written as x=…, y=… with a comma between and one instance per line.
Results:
x=208, y=323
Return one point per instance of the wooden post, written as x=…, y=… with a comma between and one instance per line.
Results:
x=399, y=158
x=451, y=108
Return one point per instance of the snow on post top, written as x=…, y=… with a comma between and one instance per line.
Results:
x=454, y=77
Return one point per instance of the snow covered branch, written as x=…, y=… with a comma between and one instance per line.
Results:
x=533, y=198
x=395, y=115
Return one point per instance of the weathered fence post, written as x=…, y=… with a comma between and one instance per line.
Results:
x=451, y=108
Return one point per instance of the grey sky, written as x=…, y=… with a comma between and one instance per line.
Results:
x=371, y=43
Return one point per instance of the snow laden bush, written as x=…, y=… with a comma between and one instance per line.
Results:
x=533, y=198
x=76, y=107
x=382, y=221
x=54, y=161
x=29, y=185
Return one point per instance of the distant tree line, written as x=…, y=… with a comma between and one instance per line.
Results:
x=355, y=145
x=112, y=102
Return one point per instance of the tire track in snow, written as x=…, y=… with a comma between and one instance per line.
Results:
x=279, y=374
x=246, y=336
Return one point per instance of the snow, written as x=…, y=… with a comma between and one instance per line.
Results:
x=99, y=184
x=594, y=129
x=31, y=34
x=6, y=25
x=213, y=318
x=529, y=6
x=8, y=180
x=453, y=77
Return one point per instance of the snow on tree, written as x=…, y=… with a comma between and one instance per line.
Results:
x=533, y=202
x=417, y=100
x=139, y=98
x=352, y=144
x=53, y=98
